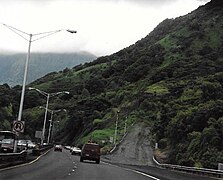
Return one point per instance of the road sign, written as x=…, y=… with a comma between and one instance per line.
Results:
x=18, y=126
x=38, y=134
x=220, y=166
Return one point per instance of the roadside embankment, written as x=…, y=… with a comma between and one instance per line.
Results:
x=135, y=149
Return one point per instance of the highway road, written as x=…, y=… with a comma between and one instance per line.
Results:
x=63, y=165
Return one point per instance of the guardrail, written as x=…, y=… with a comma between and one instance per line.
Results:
x=193, y=170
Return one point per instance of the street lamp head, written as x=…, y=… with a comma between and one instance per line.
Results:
x=71, y=31
x=30, y=88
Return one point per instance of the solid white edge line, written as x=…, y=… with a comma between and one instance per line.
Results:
x=135, y=171
x=144, y=174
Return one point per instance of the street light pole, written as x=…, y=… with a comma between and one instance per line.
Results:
x=51, y=124
x=53, y=129
x=24, y=79
x=41, y=35
x=51, y=120
x=125, y=127
x=44, y=123
x=116, y=127
x=47, y=95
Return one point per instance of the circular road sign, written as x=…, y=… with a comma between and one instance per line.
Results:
x=18, y=126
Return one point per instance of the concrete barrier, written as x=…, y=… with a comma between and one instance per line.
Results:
x=10, y=159
x=38, y=151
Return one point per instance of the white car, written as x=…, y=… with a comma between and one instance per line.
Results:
x=76, y=151
x=31, y=145
x=58, y=147
x=22, y=144
x=67, y=147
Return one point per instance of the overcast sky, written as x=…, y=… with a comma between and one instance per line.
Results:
x=103, y=26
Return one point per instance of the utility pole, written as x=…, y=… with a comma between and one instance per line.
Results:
x=116, y=127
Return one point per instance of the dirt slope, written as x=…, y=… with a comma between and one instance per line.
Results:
x=135, y=148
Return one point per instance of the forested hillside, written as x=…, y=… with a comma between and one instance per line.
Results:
x=12, y=66
x=172, y=80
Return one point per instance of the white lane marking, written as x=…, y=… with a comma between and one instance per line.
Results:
x=135, y=171
x=144, y=174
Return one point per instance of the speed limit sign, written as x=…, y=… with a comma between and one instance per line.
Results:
x=18, y=126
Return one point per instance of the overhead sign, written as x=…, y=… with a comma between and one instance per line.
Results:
x=18, y=126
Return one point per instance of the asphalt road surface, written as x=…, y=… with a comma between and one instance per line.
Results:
x=63, y=165
x=57, y=165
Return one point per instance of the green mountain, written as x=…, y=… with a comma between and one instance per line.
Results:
x=12, y=66
x=171, y=80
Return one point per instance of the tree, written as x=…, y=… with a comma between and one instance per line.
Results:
x=95, y=85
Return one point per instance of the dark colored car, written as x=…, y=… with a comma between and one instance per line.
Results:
x=90, y=151
x=58, y=148
x=7, y=145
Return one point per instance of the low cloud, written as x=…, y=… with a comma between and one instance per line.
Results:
x=160, y=2
x=155, y=2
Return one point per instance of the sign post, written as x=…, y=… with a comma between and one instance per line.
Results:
x=18, y=127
